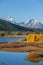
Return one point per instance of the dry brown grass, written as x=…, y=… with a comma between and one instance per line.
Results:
x=21, y=46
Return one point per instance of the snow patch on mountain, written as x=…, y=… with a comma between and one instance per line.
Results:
x=9, y=19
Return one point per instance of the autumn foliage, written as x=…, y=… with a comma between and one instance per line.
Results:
x=32, y=37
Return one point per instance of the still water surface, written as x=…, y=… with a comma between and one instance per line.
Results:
x=10, y=39
x=15, y=58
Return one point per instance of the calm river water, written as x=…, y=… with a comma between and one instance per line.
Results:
x=15, y=58
x=10, y=39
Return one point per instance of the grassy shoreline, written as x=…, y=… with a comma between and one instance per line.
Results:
x=21, y=49
x=14, y=36
x=21, y=46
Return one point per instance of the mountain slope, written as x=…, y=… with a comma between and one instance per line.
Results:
x=7, y=26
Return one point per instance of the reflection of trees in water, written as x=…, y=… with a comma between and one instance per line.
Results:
x=35, y=58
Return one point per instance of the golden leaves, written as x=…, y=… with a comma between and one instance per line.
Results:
x=32, y=37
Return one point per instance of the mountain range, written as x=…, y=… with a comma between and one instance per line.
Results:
x=29, y=23
x=8, y=24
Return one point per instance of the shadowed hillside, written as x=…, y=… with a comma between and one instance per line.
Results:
x=6, y=26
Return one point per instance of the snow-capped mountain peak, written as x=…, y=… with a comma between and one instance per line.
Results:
x=9, y=19
x=32, y=23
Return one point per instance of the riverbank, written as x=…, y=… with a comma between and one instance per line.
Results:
x=21, y=46
x=14, y=36
x=22, y=49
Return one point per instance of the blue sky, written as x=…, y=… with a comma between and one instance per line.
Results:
x=22, y=10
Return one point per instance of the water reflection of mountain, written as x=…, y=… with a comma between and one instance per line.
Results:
x=34, y=57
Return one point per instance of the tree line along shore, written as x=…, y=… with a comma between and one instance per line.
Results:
x=14, y=36
x=5, y=33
